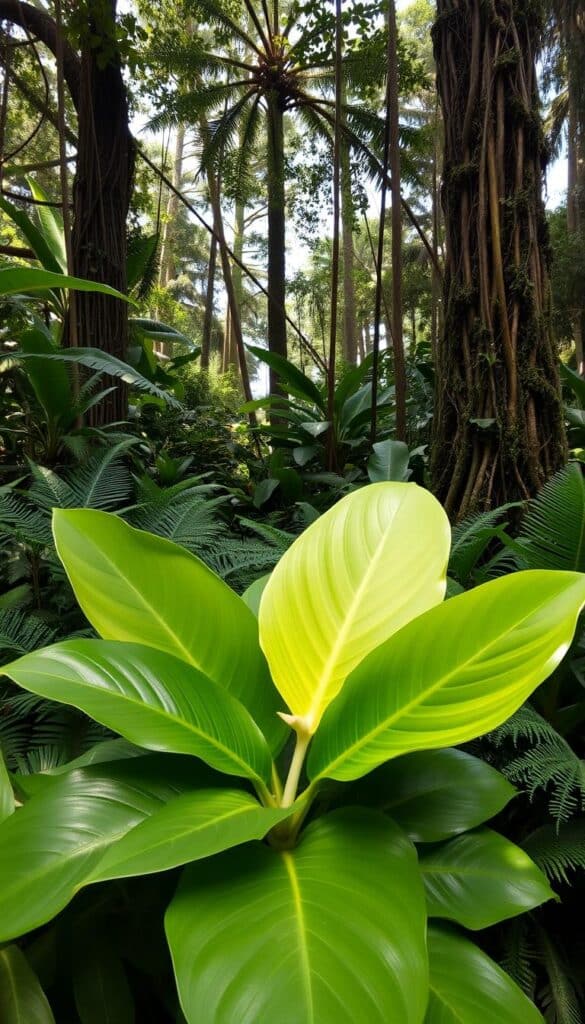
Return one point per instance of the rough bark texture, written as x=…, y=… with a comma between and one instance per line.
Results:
x=276, y=232
x=499, y=429
x=102, y=190
x=397, y=339
x=571, y=16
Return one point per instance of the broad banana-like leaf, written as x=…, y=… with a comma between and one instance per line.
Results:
x=331, y=932
x=50, y=847
x=453, y=674
x=188, y=828
x=152, y=699
x=434, y=794
x=22, y=1000
x=358, y=574
x=6, y=794
x=469, y=988
x=389, y=461
x=137, y=587
x=31, y=279
x=481, y=878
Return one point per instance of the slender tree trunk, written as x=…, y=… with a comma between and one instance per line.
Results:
x=235, y=321
x=102, y=190
x=347, y=224
x=397, y=339
x=168, y=263
x=573, y=29
x=435, y=277
x=498, y=424
x=362, y=342
x=209, y=303
x=276, y=234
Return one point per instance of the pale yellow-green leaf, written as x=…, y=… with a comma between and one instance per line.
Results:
x=363, y=570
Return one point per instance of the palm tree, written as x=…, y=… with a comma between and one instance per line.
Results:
x=263, y=76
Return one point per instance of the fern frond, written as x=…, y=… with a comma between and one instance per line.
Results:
x=23, y=521
x=558, y=851
x=21, y=632
x=554, y=528
x=470, y=539
x=561, y=995
x=519, y=954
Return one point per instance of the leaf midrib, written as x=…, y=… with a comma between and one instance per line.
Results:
x=327, y=671
x=301, y=929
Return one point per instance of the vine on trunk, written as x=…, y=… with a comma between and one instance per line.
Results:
x=499, y=429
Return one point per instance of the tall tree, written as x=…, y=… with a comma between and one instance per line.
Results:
x=498, y=424
x=270, y=69
x=104, y=170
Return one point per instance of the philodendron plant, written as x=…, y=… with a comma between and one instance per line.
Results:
x=303, y=900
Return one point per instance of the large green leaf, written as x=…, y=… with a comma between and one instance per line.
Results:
x=361, y=571
x=469, y=988
x=51, y=221
x=331, y=932
x=190, y=827
x=389, y=461
x=151, y=698
x=30, y=279
x=452, y=674
x=48, y=377
x=481, y=878
x=22, y=1000
x=137, y=587
x=39, y=244
x=294, y=380
x=50, y=846
x=435, y=794
x=6, y=794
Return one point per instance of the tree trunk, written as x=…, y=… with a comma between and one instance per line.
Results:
x=168, y=263
x=102, y=190
x=235, y=322
x=573, y=30
x=347, y=223
x=397, y=339
x=498, y=424
x=276, y=234
x=209, y=303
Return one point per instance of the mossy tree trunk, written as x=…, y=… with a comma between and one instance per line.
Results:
x=498, y=425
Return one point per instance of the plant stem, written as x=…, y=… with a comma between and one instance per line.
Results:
x=264, y=795
x=294, y=774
